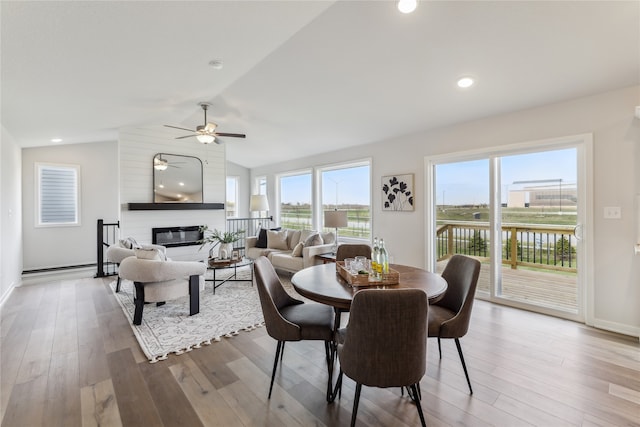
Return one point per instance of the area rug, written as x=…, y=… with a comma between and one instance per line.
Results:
x=169, y=329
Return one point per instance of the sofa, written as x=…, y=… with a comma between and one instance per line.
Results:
x=288, y=249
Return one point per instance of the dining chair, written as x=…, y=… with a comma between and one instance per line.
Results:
x=385, y=342
x=449, y=317
x=352, y=251
x=289, y=319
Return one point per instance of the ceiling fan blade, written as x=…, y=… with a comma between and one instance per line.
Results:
x=232, y=135
x=186, y=136
x=176, y=127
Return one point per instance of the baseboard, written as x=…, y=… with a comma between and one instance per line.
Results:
x=619, y=328
x=7, y=294
x=42, y=276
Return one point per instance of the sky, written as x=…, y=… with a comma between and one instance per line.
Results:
x=457, y=183
x=468, y=182
x=344, y=185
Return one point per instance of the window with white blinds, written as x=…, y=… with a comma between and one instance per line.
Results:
x=57, y=201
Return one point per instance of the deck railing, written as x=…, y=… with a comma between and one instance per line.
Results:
x=547, y=247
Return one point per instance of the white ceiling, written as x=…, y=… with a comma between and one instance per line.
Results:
x=300, y=77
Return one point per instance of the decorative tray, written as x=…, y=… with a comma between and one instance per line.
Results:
x=217, y=262
x=390, y=278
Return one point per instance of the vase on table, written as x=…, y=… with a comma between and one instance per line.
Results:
x=226, y=249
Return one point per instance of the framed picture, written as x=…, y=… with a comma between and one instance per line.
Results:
x=397, y=192
x=235, y=255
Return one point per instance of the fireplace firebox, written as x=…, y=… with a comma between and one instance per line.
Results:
x=177, y=236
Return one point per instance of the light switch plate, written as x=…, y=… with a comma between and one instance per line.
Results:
x=612, y=212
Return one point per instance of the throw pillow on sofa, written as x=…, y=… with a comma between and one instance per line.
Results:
x=313, y=240
x=277, y=240
x=262, y=237
x=297, y=251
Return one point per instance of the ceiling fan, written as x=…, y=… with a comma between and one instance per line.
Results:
x=206, y=133
x=162, y=164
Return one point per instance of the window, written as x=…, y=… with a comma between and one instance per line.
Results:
x=231, y=205
x=57, y=195
x=348, y=187
x=295, y=201
x=262, y=185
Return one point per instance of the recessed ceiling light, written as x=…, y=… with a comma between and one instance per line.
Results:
x=465, y=82
x=216, y=63
x=56, y=139
x=407, y=6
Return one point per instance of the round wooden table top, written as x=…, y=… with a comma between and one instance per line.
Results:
x=321, y=283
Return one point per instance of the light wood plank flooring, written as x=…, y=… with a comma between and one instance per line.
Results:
x=69, y=358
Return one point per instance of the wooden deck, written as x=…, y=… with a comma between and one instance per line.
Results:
x=544, y=288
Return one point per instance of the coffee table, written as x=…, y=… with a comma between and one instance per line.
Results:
x=229, y=264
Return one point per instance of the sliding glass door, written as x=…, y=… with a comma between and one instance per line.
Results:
x=519, y=212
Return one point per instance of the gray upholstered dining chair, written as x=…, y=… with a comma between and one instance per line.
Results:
x=289, y=319
x=449, y=317
x=352, y=251
x=385, y=342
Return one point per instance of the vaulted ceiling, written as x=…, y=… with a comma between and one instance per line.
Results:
x=300, y=77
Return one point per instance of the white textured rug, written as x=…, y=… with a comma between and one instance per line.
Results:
x=170, y=329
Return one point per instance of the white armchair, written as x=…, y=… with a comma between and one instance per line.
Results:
x=117, y=252
x=160, y=281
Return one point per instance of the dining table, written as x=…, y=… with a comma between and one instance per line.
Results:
x=323, y=284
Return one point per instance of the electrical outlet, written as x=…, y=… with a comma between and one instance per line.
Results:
x=612, y=212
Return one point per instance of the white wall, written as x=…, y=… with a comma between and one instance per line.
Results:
x=244, y=187
x=42, y=246
x=11, y=214
x=137, y=148
x=608, y=116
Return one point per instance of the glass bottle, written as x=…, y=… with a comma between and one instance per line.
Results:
x=374, y=257
x=384, y=258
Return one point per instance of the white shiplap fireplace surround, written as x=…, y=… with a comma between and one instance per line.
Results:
x=137, y=147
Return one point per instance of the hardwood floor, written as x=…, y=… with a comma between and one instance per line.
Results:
x=69, y=358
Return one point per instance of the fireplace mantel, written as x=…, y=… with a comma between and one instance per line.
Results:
x=174, y=206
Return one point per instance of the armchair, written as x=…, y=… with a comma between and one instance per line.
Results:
x=160, y=281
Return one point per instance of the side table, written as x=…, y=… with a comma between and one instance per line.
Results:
x=327, y=258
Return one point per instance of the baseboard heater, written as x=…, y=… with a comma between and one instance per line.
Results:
x=50, y=269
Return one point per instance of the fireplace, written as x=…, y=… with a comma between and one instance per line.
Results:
x=171, y=237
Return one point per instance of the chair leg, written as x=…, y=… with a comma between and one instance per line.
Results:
x=118, y=284
x=337, y=390
x=464, y=365
x=139, y=303
x=439, y=348
x=275, y=365
x=194, y=295
x=415, y=392
x=356, y=400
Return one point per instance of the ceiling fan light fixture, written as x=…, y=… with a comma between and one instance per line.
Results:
x=160, y=164
x=205, y=139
